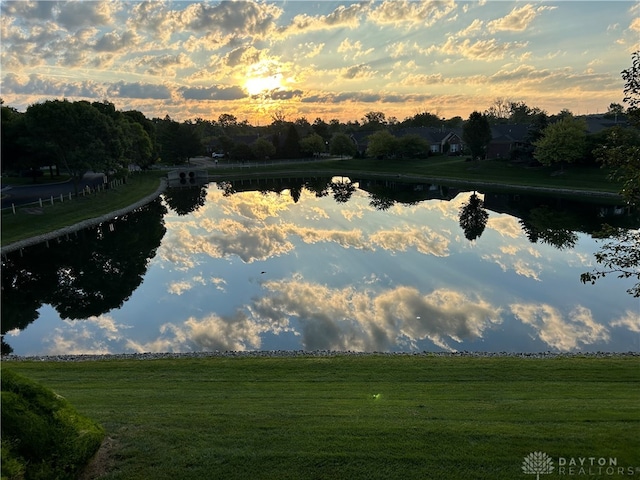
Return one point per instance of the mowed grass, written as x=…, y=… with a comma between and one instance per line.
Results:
x=386, y=417
x=456, y=169
x=29, y=222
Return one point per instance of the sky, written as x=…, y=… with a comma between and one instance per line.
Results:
x=330, y=60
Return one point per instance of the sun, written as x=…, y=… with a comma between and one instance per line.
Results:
x=260, y=84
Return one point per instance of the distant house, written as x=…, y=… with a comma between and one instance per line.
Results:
x=441, y=140
x=507, y=139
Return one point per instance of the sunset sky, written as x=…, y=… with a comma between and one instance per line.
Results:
x=318, y=59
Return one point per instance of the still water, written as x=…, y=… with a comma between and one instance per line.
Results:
x=323, y=264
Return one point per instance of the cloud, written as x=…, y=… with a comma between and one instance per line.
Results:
x=78, y=337
x=41, y=85
x=424, y=240
x=355, y=48
x=212, y=93
x=411, y=13
x=235, y=332
x=162, y=65
x=114, y=41
x=630, y=320
x=568, y=333
x=347, y=319
x=485, y=50
x=139, y=90
x=283, y=94
x=357, y=72
x=72, y=15
x=240, y=19
x=518, y=19
x=342, y=17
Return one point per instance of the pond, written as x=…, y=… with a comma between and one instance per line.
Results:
x=359, y=264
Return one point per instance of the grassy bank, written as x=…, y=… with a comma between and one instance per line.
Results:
x=351, y=417
x=452, y=169
x=30, y=222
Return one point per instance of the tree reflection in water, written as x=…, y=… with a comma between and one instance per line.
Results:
x=97, y=270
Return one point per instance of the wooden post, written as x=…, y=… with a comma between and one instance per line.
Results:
x=51, y=199
x=13, y=207
x=61, y=199
x=40, y=200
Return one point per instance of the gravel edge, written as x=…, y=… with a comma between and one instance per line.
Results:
x=310, y=354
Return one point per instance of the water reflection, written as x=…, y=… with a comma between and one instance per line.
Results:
x=325, y=263
x=86, y=275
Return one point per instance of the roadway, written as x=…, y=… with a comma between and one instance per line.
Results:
x=25, y=194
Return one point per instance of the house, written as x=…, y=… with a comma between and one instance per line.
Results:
x=441, y=140
x=507, y=140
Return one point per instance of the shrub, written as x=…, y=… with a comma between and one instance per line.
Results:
x=43, y=437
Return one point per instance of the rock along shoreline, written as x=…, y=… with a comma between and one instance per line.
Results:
x=309, y=354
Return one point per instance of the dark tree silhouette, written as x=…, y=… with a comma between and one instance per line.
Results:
x=473, y=218
x=185, y=200
x=342, y=191
x=476, y=134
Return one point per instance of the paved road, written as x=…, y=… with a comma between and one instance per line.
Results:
x=25, y=194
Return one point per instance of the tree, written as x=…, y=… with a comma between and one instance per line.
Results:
x=621, y=152
x=73, y=133
x=374, y=121
x=620, y=255
x=262, y=148
x=476, y=134
x=562, y=141
x=631, y=77
x=341, y=145
x=413, y=146
x=312, y=144
x=382, y=144
x=499, y=111
x=473, y=218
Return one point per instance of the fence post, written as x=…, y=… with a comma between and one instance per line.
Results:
x=40, y=200
x=51, y=199
x=61, y=199
x=69, y=195
x=13, y=207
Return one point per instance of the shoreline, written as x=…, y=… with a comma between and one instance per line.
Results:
x=309, y=354
x=12, y=247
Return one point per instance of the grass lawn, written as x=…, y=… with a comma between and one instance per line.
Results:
x=30, y=222
x=450, y=169
x=351, y=417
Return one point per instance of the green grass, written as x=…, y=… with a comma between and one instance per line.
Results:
x=27, y=222
x=455, y=169
x=351, y=417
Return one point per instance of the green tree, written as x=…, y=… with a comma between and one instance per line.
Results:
x=73, y=133
x=341, y=145
x=413, y=146
x=312, y=144
x=621, y=254
x=476, y=134
x=262, y=148
x=382, y=144
x=562, y=142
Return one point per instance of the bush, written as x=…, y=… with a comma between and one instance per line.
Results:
x=43, y=437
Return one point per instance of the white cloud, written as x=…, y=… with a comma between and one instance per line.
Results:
x=562, y=332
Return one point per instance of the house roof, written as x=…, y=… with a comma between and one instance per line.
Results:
x=509, y=133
